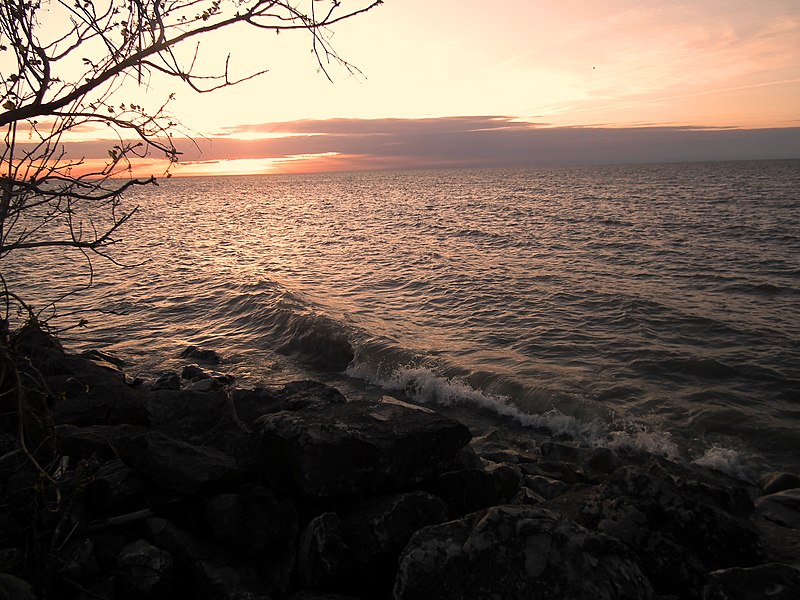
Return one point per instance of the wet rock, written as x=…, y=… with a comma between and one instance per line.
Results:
x=778, y=482
x=205, y=355
x=114, y=486
x=764, y=582
x=507, y=479
x=322, y=554
x=782, y=507
x=145, y=571
x=205, y=385
x=562, y=471
x=250, y=519
x=16, y=588
x=601, y=461
x=167, y=381
x=251, y=404
x=196, y=373
x=357, y=448
x=178, y=466
x=545, y=486
x=527, y=496
x=299, y=395
x=516, y=552
x=465, y=491
x=680, y=523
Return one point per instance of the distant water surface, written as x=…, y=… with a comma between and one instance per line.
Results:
x=650, y=305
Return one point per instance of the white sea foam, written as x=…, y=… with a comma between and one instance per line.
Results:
x=426, y=387
x=726, y=461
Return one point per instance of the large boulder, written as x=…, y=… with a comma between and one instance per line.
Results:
x=517, y=552
x=681, y=522
x=178, y=466
x=357, y=448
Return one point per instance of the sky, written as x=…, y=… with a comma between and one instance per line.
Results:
x=462, y=83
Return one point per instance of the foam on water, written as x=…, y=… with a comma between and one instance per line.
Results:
x=726, y=461
x=424, y=386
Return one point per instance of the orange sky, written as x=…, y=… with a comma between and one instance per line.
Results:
x=616, y=64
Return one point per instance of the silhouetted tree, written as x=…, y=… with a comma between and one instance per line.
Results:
x=62, y=65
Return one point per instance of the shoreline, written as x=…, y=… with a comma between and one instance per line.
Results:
x=190, y=487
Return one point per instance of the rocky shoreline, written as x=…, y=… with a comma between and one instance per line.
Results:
x=188, y=487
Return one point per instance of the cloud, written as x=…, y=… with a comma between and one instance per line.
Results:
x=481, y=141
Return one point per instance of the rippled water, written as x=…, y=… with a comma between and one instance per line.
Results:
x=655, y=305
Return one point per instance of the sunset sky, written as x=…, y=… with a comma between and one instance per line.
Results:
x=516, y=82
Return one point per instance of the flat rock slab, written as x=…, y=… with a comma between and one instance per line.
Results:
x=517, y=552
x=355, y=448
x=178, y=466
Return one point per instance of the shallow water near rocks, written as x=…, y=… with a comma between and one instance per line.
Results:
x=655, y=306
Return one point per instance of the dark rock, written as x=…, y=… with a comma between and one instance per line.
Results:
x=196, y=373
x=205, y=355
x=507, y=479
x=377, y=530
x=465, y=491
x=251, y=404
x=563, y=471
x=96, y=395
x=782, y=507
x=145, y=571
x=601, y=461
x=778, y=482
x=167, y=381
x=517, y=552
x=322, y=554
x=185, y=547
x=357, y=448
x=77, y=562
x=44, y=351
x=115, y=486
x=559, y=452
x=96, y=441
x=681, y=523
x=311, y=595
x=178, y=466
x=299, y=395
x=15, y=588
x=204, y=419
x=205, y=385
x=546, y=487
x=527, y=496
x=103, y=587
x=98, y=356
x=250, y=519
x=764, y=582
x=108, y=544
x=215, y=580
